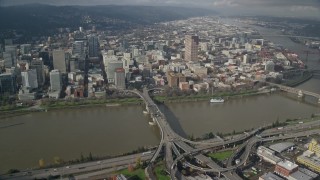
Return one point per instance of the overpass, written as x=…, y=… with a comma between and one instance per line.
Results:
x=299, y=92
x=170, y=140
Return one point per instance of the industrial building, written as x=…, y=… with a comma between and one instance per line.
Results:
x=268, y=155
x=285, y=168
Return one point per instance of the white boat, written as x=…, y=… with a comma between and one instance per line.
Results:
x=145, y=112
x=217, y=100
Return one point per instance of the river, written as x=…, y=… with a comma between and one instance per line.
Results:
x=115, y=130
x=68, y=133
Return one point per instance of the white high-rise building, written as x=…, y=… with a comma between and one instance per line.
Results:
x=111, y=69
x=55, y=80
x=59, y=60
x=29, y=79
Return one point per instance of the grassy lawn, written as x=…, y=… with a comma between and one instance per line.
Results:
x=160, y=172
x=220, y=156
x=138, y=172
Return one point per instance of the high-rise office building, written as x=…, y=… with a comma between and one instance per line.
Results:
x=55, y=80
x=9, y=59
x=93, y=46
x=8, y=84
x=120, y=78
x=29, y=79
x=37, y=64
x=59, y=60
x=10, y=56
x=79, y=49
x=25, y=48
x=111, y=68
x=191, y=48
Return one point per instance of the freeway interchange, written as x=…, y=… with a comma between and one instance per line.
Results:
x=169, y=139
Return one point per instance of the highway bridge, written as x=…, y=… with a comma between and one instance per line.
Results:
x=174, y=142
x=292, y=36
x=299, y=92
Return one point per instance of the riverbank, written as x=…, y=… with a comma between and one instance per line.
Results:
x=206, y=97
x=48, y=105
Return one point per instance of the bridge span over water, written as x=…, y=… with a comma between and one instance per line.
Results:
x=182, y=147
x=301, y=93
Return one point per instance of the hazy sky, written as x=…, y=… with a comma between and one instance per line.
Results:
x=296, y=8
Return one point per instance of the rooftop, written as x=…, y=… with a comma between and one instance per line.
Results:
x=300, y=176
x=280, y=147
x=271, y=176
x=287, y=164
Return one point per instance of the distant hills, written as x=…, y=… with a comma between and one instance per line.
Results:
x=38, y=18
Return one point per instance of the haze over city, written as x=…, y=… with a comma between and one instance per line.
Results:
x=290, y=8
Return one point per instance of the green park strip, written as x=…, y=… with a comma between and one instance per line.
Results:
x=203, y=97
x=136, y=174
x=160, y=172
x=91, y=102
x=221, y=156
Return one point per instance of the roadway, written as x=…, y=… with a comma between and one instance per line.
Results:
x=250, y=143
x=80, y=168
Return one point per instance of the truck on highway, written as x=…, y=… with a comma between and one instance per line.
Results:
x=146, y=153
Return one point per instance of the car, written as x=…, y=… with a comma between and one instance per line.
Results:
x=55, y=170
x=67, y=167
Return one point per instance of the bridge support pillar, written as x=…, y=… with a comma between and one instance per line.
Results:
x=300, y=94
x=319, y=101
x=219, y=175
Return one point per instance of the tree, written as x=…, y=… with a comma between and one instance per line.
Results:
x=42, y=163
x=130, y=168
x=12, y=171
x=138, y=162
x=90, y=158
x=81, y=157
x=211, y=135
x=57, y=160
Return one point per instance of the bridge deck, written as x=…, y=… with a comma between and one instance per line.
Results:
x=183, y=146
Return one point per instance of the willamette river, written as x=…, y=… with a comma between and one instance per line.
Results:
x=114, y=130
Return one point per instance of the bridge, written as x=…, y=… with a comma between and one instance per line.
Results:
x=293, y=36
x=301, y=93
x=174, y=143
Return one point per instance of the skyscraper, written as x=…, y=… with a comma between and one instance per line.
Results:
x=59, y=60
x=78, y=49
x=25, y=48
x=10, y=56
x=111, y=68
x=191, y=48
x=37, y=64
x=120, y=78
x=93, y=46
x=8, y=84
x=29, y=79
x=55, y=80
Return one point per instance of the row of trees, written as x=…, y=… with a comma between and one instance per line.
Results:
x=59, y=161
